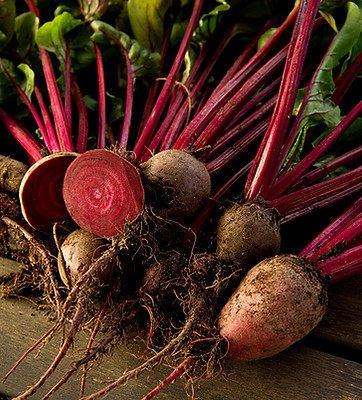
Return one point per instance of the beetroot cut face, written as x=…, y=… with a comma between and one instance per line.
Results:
x=103, y=192
x=40, y=191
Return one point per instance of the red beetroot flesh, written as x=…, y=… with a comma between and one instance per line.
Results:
x=40, y=191
x=103, y=192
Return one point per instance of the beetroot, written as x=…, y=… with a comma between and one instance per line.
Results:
x=77, y=253
x=247, y=233
x=40, y=191
x=103, y=192
x=182, y=180
x=11, y=173
x=278, y=302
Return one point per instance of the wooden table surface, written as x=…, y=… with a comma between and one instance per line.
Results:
x=326, y=365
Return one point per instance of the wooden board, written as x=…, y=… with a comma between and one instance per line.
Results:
x=299, y=373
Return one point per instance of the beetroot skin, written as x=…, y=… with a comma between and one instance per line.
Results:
x=277, y=303
x=247, y=233
x=181, y=181
x=78, y=251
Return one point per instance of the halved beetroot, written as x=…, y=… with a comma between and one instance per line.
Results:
x=102, y=192
x=41, y=194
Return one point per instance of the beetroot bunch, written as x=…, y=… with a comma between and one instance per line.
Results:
x=202, y=156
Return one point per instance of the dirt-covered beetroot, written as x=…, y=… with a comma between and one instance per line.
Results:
x=11, y=173
x=247, y=233
x=181, y=182
x=277, y=303
x=76, y=254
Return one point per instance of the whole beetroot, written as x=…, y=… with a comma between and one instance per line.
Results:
x=247, y=233
x=277, y=303
x=181, y=182
x=76, y=254
x=11, y=173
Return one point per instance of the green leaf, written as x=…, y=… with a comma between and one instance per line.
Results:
x=26, y=25
x=206, y=26
x=265, y=37
x=64, y=30
x=319, y=108
x=27, y=83
x=103, y=32
x=209, y=21
x=9, y=96
x=147, y=21
x=91, y=103
x=117, y=106
x=93, y=9
x=330, y=19
x=7, y=21
x=144, y=62
x=7, y=90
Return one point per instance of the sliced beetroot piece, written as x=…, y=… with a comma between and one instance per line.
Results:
x=103, y=192
x=40, y=192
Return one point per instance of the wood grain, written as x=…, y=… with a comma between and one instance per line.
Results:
x=299, y=373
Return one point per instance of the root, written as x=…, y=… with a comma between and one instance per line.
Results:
x=33, y=347
x=77, y=320
x=86, y=359
x=172, y=347
x=178, y=371
x=46, y=261
x=93, y=335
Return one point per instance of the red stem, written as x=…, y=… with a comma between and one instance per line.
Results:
x=245, y=125
x=326, y=168
x=155, y=85
x=163, y=97
x=32, y=7
x=49, y=127
x=337, y=226
x=101, y=142
x=21, y=134
x=233, y=152
x=282, y=185
x=124, y=136
x=245, y=56
x=216, y=101
x=172, y=124
x=123, y=141
x=67, y=88
x=225, y=116
x=263, y=171
x=60, y=120
x=288, y=142
x=82, y=139
x=347, y=235
x=327, y=191
x=343, y=266
x=30, y=107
